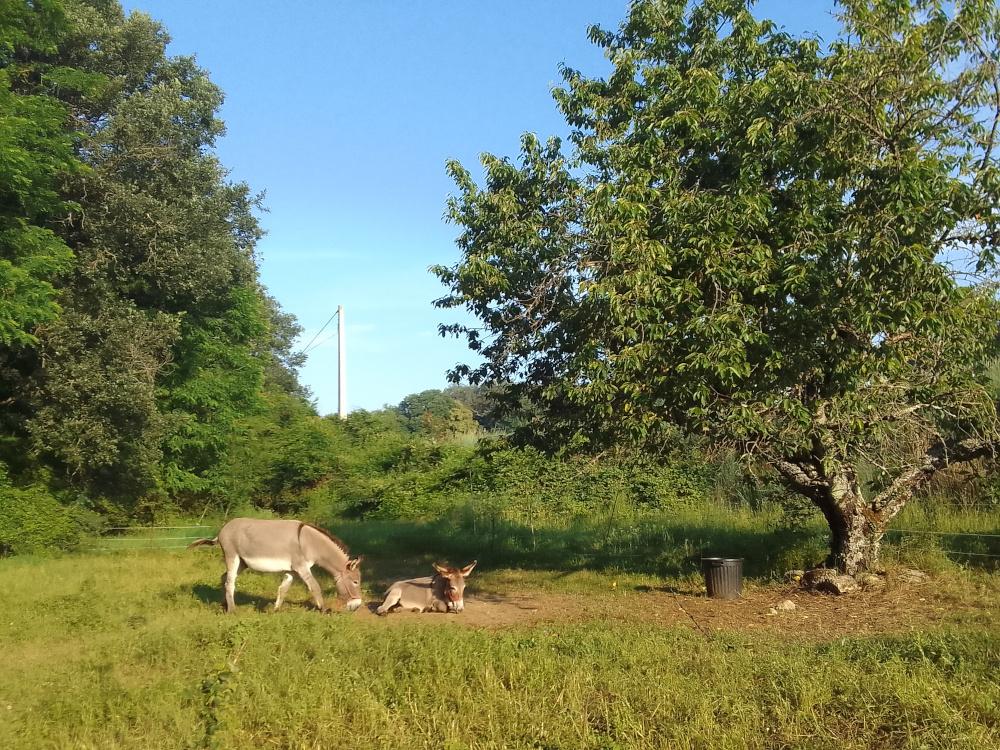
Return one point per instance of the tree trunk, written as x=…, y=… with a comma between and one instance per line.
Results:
x=855, y=536
x=856, y=525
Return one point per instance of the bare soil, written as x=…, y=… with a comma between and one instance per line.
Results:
x=898, y=608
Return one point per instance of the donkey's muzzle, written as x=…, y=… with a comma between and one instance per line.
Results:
x=353, y=604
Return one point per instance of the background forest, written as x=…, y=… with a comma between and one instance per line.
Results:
x=145, y=371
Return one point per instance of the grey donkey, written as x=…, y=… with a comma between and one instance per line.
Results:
x=275, y=546
x=443, y=592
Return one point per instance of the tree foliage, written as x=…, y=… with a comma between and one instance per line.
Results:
x=787, y=247
x=437, y=414
x=138, y=335
x=36, y=155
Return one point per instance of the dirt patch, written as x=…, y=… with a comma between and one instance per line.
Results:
x=815, y=617
x=490, y=611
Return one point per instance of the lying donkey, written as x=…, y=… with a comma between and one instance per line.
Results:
x=274, y=546
x=443, y=592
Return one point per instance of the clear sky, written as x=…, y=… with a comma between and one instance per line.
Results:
x=344, y=113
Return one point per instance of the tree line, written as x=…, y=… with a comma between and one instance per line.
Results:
x=134, y=331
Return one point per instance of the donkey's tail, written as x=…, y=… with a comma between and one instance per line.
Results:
x=203, y=543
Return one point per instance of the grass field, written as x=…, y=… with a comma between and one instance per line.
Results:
x=131, y=650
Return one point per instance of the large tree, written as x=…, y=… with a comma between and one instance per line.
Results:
x=783, y=244
x=154, y=355
x=139, y=334
x=37, y=157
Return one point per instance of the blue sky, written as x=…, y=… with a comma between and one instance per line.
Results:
x=344, y=113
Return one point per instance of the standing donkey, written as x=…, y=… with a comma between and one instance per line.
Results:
x=444, y=592
x=274, y=546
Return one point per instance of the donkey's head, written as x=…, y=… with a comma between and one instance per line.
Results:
x=349, y=583
x=454, y=584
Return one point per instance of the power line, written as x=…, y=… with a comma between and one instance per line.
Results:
x=305, y=349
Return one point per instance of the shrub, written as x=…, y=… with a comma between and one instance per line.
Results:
x=32, y=520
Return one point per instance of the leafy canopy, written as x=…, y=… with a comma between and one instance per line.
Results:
x=786, y=245
x=36, y=153
x=114, y=205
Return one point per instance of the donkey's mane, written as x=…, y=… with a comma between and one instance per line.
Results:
x=331, y=537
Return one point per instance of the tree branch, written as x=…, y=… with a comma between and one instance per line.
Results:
x=937, y=457
x=803, y=477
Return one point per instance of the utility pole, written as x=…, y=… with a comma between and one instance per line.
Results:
x=341, y=365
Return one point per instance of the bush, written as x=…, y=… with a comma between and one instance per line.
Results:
x=424, y=481
x=32, y=520
x=526, y=485
x=277, y=456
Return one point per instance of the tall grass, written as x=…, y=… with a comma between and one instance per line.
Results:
x=935, y=536
x=655, y=543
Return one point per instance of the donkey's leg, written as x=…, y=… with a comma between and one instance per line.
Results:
x=233, y=565
x=317, y=593
x=283, y=589
x=392, y=598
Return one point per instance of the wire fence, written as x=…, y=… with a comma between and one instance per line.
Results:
x=141, y=538
x=129, y=538
x=954, y=535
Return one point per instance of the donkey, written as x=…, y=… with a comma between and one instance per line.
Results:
x=274, y=546
x=443, y=592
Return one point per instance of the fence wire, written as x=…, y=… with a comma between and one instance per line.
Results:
x=963, y=534
x=124, y=543
x=139, y=538
x=942, y=533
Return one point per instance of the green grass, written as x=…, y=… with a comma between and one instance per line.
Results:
x=131, y=650
x=652, y=544
x=935, y=536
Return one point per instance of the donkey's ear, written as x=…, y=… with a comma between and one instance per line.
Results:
x=353, y=564
x=468, y=568
x=442, y=569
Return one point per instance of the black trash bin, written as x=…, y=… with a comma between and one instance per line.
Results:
x=723, y=576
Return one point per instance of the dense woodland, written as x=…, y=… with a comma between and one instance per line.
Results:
x=135, y=337
x=145, y=372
